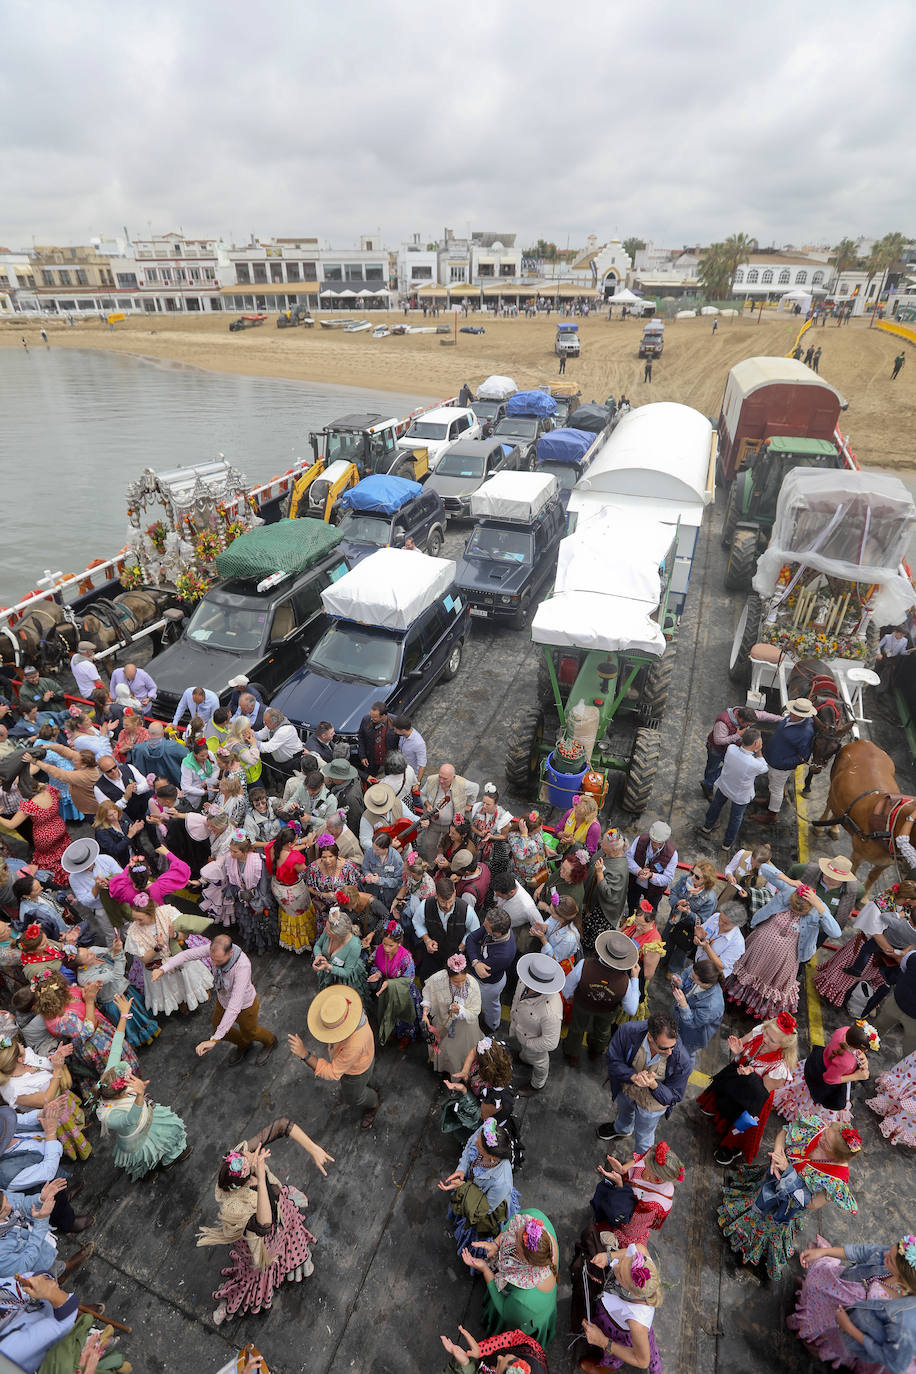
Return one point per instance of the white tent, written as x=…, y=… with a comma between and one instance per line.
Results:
x=685, y=315
x=496, y=388
x=625, y=297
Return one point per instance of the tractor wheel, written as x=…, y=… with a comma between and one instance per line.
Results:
x=747, y=633
x=742, y=561
x=523, y=750
x=732, y=514
x=871, y=645
x=641, y=772
x=658, y=683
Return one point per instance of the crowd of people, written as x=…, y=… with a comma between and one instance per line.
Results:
x=150, y=866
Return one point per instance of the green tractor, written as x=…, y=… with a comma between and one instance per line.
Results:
x=751, y=507
x=617, y=675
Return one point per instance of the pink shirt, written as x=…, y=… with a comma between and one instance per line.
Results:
x=837, y=1065
x=175, y=877
x=237, y=991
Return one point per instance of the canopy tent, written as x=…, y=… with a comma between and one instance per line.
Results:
x=373, y=291
x=337, y=291
x=852, y=525
x=625, y=297
x=510, y=288
x=286, y=546
x=431, y=289
x=567, y=291
x=390, y=588
x=463, y=289
x=607, y=586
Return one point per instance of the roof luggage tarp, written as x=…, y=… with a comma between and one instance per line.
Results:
x=496, y=388
x=390, y=588
x=567, y=328
x=514, y=496
x=531, y=403
x=386, y=495
x=564, y=445
x=852, y=525
x=287, y=546
x=591, y=417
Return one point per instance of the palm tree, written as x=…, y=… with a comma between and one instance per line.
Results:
x=886, y=252
x=715, y=272
x=736, y=249
x=845, y=255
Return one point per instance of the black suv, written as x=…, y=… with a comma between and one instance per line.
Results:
x=524, y=430
x=363, y=529
x=508, y=565
x=238, y=628
x=355, y=664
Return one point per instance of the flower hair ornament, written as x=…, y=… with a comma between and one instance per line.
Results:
x=640, y=1272
x=851, y=1137
x=74, y=712
x=41, y=976
x=645, y=906
x=457, y=963
x=874, y=1040
x=661, y=1151
x=583, y=856
x=489, y=789
x=786, y=1022
x=236, y=1161
x=324, y=839
x=119, y=1083
x=237, y=836
x=5, y=1042
x=31, y=932
x=411, y=858
x=803, y=890
x=534, y=1229
x=341, y=898
x=489, y=1131
x=533, y=817
x=141, y=900
x=484, y=1044
x=554, y=898
x=907, y=1249
x=518, y=1367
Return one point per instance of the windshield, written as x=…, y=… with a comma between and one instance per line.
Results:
x=505, y=546
x=353, y=654
x=519, y=425
x=485, y=410
x=460, y=465
x=236, y=628
x=566, y=474
x=346, y=446
x=425, y=429
x=562, y=411
x=366, y=529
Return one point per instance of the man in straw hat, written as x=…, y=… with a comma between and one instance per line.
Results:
x=647, y=1069
x=835, y=882
x=600, y=985
x=789, y=745
x=537, y=1015
x=381, y=807
x=336, y=1018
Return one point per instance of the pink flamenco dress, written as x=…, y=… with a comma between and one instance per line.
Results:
x=818, y=1074
x=765, y=978
x=895, y=1102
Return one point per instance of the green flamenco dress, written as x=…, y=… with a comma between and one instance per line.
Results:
x=144, y=1134
x=519, y=1303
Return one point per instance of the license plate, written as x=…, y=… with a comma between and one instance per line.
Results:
x=477, y=610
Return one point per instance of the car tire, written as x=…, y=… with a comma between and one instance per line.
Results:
x=747, y=632
x=522, y=618
x=523, y=750
x=453, y=663
x=742, y=561
x=434, y=541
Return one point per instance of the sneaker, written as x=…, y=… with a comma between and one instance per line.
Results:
x=219, y=1316
x=726, y=1155
x=608, y=1131
x=702, y=830
x=266, y=1052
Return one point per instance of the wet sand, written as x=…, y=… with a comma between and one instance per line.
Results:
x=881, y=417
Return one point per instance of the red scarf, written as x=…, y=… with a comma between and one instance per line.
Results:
x=804, y=1161
x=750, y=1052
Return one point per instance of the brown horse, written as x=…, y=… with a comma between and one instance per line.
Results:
x=810, y=678
x=865, y=800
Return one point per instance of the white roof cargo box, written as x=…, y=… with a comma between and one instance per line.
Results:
x=496, y=388
x=514, y=496
x=390, y=588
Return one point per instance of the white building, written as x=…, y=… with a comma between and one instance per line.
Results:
x=280, y=273
x=170, y=273
x=603, y=267
x=418, y=266
x=17, y=283
x=767, y=276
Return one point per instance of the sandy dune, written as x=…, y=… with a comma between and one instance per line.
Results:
x=880, y=419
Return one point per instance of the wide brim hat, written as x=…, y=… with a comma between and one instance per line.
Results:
x=839, y=867
x=237, y=682
x=801, y=706
x=616, y=950
x=659, y=832
x=79, y=856
x=379, y=799
x=338, y=770
x=335, y=1013
x=540, y=973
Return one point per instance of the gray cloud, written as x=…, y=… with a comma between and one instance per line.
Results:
x=680, y=124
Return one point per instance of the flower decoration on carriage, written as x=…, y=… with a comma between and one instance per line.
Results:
x=192, y=585
x=786, y=1023
x=156, y=533
x=233, y=529
x=851, y=1137
x=534, y=1229
x=874, y=1039
x=489, y=1131
x=207, y=546
x=907, y=1248
x=131, y=576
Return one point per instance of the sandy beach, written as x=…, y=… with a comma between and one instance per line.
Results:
x=857, y=360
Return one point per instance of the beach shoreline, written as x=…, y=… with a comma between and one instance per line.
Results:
x=692, y=370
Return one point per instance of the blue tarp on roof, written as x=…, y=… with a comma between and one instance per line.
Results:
x=384, y=495
x=531, y=403
x=567, y=328
x=564, y=446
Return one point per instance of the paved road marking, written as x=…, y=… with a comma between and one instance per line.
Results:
x=699, y=1080
x=815, y=1016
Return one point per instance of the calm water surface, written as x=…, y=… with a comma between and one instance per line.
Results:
x=77, y=425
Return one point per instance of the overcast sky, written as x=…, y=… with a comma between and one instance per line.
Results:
x=679, y=123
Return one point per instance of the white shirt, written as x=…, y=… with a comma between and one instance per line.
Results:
x=81, y=883
x=401, y=783
x=892, y=647
x=118, y=780
x=520, y=907
x=739, y=769
x=728, y=947
x=413, y=747
x=86, y=675
x=282, y=744
x=96, y=744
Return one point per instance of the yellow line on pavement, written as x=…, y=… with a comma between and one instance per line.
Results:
x=801, y=814
x=815, y=1018
x=699, y=1080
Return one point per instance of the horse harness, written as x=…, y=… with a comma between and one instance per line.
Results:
x=882, y=818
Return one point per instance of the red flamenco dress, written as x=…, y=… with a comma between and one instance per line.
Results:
x=49, y=836
x=730, y=1093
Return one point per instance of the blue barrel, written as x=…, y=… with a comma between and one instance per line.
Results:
x=562, y=787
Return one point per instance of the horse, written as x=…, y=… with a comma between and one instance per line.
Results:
x=810, y=678
x=864, y=799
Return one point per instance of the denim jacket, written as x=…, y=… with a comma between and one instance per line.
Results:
x=808, y=924
x=888, y=1324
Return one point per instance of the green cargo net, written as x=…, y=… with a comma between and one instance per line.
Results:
x=288, y=546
